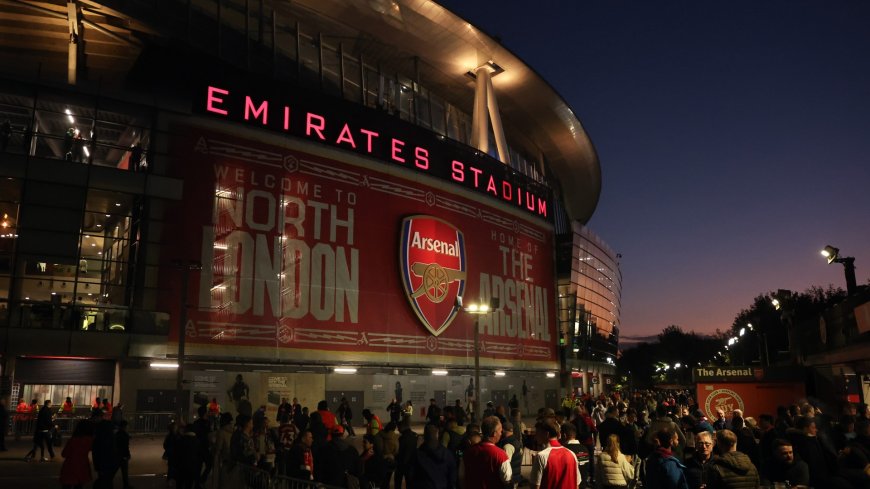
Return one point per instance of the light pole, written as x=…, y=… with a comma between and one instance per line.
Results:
x=833, y=256
x=478, y=309
x=185, y=268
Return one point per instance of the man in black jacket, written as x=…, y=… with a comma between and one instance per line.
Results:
x=610, y=426
x=821, y=462
x=338, y=459
x=732, y=469
x=42, y=434
x=433, y=466
x=783, y=466
x=699, y=458
x=407, y=452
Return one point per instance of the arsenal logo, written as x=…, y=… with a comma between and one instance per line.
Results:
x=433, y=269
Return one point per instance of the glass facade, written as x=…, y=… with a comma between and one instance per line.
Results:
x=71, y=239
x=590, y=287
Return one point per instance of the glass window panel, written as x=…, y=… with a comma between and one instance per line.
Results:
x=421, y=102
x=285, y=40
x=18, y=110
x=374, y=82
x=438, y=114
x=309, y=58
x=331, y=70
x=352, y=84
x=405, y=99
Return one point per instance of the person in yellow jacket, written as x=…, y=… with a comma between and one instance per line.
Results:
x=373, y=422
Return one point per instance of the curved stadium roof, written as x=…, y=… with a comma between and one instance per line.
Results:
x=409, y=37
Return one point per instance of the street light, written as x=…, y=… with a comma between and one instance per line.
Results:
x=478, y=309
x=185, y=267
x=833, y=256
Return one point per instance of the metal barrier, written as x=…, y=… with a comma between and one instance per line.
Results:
x=20, y=427
x=149, y=422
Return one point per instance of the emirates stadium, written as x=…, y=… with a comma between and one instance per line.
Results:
x=313, y=199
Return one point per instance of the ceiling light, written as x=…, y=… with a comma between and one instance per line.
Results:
x=439, y=372
x=344, y=370
x=164, y=365
x=550, y=375
x=500, y=373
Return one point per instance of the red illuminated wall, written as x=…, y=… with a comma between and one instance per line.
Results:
x=754, y=398
x=301, y=259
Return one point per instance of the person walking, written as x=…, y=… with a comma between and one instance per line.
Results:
x=76, y=469
x=345, y=416
x=105, y=454
x=122, y=445
x=554, y=467
x=42, y=433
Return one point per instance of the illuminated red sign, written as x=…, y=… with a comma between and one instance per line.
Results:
x=392, y=142
x=300, y=256
x=433, y=269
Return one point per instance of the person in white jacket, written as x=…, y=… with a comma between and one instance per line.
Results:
x=613, y=469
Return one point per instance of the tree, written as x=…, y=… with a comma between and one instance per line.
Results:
x=674, y=346
x=768, y=333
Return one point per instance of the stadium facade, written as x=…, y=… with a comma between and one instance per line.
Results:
x=286, y=192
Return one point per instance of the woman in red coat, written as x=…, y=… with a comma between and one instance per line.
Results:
x=76, y=469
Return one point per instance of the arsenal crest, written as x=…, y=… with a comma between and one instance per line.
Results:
x=433, y=266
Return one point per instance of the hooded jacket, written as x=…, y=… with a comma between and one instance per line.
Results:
x=433, y=468
x=733, y=470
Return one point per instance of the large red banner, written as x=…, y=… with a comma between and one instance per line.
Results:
x=311, y=251
x=753, y=398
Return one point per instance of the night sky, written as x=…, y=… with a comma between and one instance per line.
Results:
x=733, y=137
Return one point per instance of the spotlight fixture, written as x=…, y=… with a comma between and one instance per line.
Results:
x=833, y=256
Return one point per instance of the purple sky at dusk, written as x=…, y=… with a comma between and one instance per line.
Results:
x=734, y=139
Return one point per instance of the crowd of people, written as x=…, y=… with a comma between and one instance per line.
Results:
x=453, y=451
x=650, y=439
x=670, y=443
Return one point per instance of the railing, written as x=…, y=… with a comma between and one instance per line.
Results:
x=22, y=426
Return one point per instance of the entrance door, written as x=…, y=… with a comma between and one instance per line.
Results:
x=440, y=398
x=551, y=398
x=499, y=398
x=354, y=398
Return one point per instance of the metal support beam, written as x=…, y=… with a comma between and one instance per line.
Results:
x=479, y=126
x=495, y=118
x=485, y=102
x=74, y=24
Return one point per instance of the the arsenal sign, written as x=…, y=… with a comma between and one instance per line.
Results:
x=433, y=266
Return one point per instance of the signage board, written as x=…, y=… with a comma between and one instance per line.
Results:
x=753, y=398
x=308, y=251
x=311, y=116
